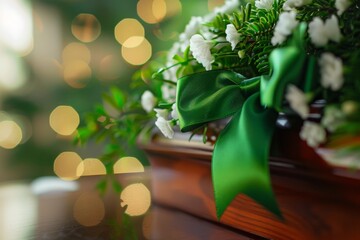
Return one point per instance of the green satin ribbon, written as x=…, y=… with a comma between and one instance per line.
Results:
x=240, y=157
x=212, y=95
x=287, y=65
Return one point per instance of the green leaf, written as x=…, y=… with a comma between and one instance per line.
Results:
x=118, y=97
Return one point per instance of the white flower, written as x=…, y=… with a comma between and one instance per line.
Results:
x=174, y=113
x=148, y=101
x=284, y=27
x=191, y=29
x=291, y=4
x=297, y=101
x=165, y=127
x=264, y=4
x=228, y=7
x=313, y=133
x=232, y=35
x=164, y=113
x=331, y=69
x=321, y=32
x=170, y=74
x=342, y=5
x=200, y=49
x=333, y=118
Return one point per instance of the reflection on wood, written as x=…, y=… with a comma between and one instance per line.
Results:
x=54, y=215
x=317, y=202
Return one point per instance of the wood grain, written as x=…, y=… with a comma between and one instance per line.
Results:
x=317, y=201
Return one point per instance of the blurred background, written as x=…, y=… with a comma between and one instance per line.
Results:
x=57, y=57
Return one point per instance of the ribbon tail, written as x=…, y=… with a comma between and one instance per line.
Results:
x=240, y=158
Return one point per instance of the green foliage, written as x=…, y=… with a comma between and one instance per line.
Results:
x=117, y=126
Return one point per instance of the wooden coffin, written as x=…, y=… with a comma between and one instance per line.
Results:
x=318, y=201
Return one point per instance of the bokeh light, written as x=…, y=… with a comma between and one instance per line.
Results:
x=66, y=166
x=76, y=51
x=214, y=3
x=128, y=165
x=138, y=55
x=89, y=209
x=13, y=73
x=64, y=120
x=137, y=199
x=10, y=134
x=173, y=7
x=129, y=32
x=151, y=11
x=91, y=167
x=86, y=27
x=16, y=25
x=77, y=73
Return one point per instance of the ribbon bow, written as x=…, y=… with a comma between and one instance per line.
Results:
x=240, y=157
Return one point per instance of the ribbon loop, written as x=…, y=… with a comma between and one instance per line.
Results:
x=240, y=157
x=210, y=96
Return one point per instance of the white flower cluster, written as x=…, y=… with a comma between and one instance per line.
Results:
x=290, y=5
x=200, y=49
x=321, y=32
x=228, y=7
x=148, y=101
x=333, y=118
x=342, y=5
x=264, y=4
x=313, y=133
x=191, y=29
x=284, y=27
x=297, y=101
x=163, y=123
x=203, y=42
x=331, y=70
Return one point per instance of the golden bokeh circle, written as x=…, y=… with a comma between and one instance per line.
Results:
x=89, y=209
x=66, y=166
x=77, y=73
x=64, y=120
x=76, y=51
x=10, y=134
x=173, y=7
x=128, y=165
x=91, y=167
x=137, y=198
x=151, y=11
x=215, y=3
x=86, y=27
x=129, y=28
x=138, y=55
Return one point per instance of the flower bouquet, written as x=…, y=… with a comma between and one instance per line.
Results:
x=249, y=62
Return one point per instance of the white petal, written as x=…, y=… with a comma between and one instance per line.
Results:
x=165, y=127
x=201, y=51
x=148, y=101
x=264, y=4
x=332, y=29
x=317, y=32
x=342, y=5
x=232, y=35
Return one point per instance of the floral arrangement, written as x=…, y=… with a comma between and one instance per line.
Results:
x=248, y=62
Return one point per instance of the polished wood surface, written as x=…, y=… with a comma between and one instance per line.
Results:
x=317, y=201
x=51, y=215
